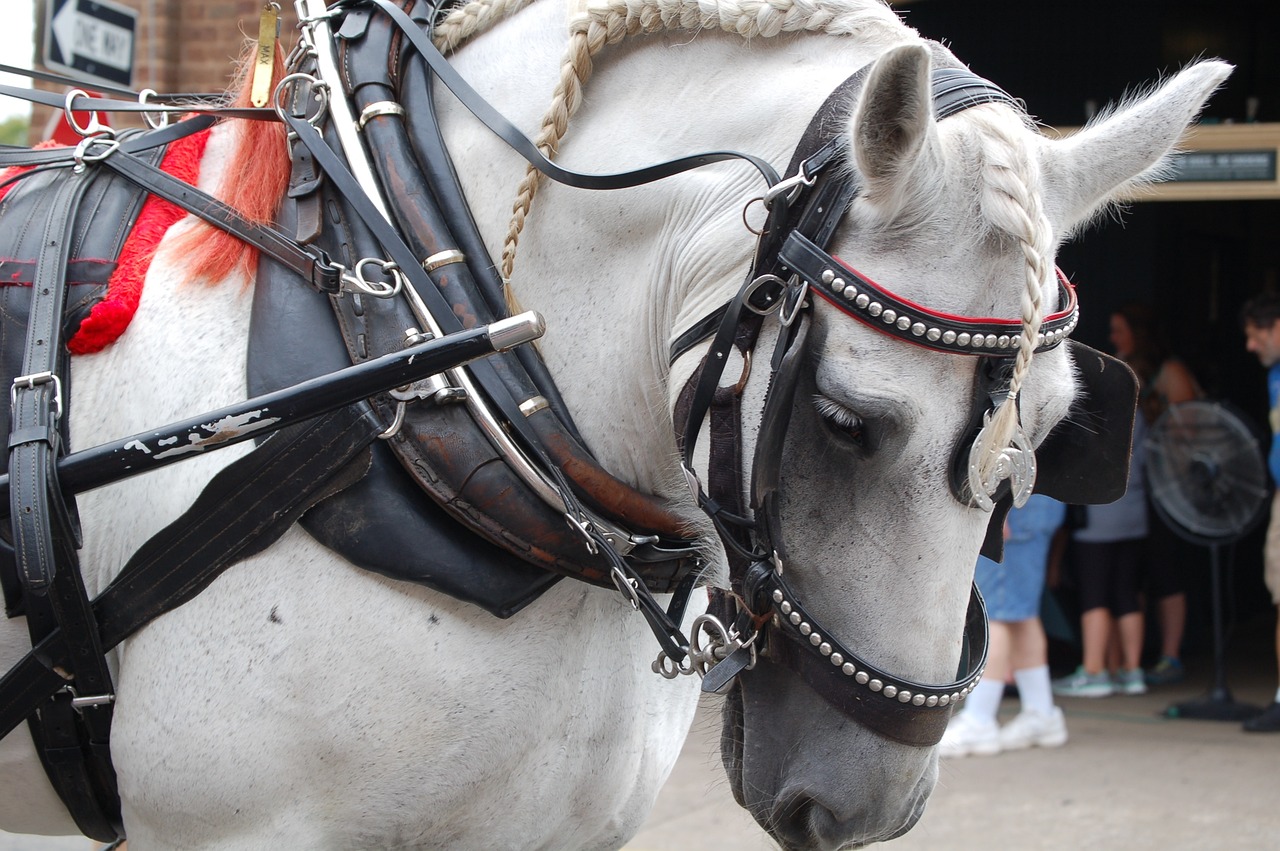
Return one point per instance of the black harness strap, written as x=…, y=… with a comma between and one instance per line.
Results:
x=65, y=157
x=317, y=271
x=244, y=509
x=524, y=146
x=45, y=539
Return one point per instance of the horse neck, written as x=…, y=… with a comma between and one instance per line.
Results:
x=623, y=273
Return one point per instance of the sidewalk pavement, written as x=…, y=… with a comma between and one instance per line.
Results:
x=1129, y=779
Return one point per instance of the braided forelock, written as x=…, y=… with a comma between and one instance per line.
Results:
x=610, y=21
x=463, y=22
x=1010, y=202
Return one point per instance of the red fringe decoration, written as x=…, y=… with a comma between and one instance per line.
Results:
x=109, y=317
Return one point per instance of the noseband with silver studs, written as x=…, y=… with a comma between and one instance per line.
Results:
x=769, y=623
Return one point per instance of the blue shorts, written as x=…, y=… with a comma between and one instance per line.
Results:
x=1012, y=589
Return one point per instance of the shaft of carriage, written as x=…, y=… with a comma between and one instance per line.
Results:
x=259, y=416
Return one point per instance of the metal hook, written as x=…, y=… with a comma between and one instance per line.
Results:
x=81, y=155
x=152, y=121
x=376, y=289
x=790, y=187
x=396, y=424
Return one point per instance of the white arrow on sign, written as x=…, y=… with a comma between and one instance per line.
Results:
x=92, y=39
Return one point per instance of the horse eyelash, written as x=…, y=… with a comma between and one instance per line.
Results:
x=835, y=412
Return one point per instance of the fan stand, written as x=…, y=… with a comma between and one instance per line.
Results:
x=1218, y=704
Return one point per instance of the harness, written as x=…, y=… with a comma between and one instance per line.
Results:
x=471, y=438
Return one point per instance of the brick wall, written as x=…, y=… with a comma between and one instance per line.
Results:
x=181, y=45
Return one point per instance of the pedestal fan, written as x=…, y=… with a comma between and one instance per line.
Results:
x=1207, y=478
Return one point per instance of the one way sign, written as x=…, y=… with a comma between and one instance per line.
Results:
x=91, y=40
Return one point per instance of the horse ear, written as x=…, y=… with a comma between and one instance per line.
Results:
x=893, y=128
x=1127, y=148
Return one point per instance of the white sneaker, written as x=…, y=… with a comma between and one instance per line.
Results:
x=966, y=735
x=1034, y=729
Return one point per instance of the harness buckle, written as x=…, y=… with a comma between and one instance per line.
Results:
x=83, y=155
x=30, y=382
x=585, y=527
x=772, y=300
x=627, y=586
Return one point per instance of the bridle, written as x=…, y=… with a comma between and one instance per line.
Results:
x=761, y=618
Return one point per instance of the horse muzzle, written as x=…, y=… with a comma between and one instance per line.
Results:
x=814, y=780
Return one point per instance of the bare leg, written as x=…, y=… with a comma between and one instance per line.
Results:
x=1028, y=646
x=1115, y=655
x=1130, y=629
x=1173, y=622
x=1095, y=625
x=998, y=652
x=1278, y=652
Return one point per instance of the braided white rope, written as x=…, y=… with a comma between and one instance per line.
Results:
x=1011, y=202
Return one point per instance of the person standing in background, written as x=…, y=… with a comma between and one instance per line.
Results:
x=1260, y=318
x=1012, y=591
x=1164, y=381
x=1108, y=559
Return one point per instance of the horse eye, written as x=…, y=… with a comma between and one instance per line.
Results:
x=842, y=423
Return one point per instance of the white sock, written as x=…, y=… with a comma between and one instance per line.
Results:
x=984, y=701
x=1278, y=695
x=1034, y=689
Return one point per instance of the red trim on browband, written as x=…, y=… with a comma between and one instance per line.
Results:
x=945, y=317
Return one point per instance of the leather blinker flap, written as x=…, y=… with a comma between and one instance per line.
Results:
x=1085, y=459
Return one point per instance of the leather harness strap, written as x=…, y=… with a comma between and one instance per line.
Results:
x=244, y=509
x=46, y=537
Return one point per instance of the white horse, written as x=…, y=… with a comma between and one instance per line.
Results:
x=301, y=702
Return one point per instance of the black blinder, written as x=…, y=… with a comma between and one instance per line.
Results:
x=1085, y=459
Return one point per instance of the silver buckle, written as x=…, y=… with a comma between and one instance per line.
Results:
x=30, y=382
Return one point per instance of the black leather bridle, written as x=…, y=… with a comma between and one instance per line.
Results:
x=769, y=620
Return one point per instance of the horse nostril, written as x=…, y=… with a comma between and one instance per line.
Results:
x=803, y=822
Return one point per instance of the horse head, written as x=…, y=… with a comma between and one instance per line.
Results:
x=961, y=216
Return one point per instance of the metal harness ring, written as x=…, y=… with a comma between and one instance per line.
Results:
x=95, y=128
x=152, y=122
